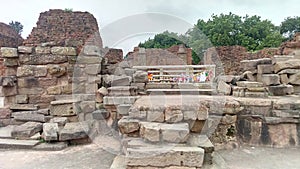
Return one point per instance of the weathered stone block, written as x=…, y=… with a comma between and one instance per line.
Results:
x=61, y=121
x=295, y=79
x=256, y=94
x=281, y=90
x=290, y=64
x=122, y=91
x=265, y=69
x=50, y=131
x=251, y=131
x=175, y=133
x=173, y=116
x=238, y=91
x=56, y=70
x=224, y=88
x=11, y=62
x=23, y=107
x=22, y=99
x=8, y=91
x=123, y=109
x=54, y=90
x=29, y=116
x=89, y=60
x=127, y=125
x=281, y=58
x=190, y=115
x=129, y=71
x=248, y=84
x=92, y=50
x=43, y=59
x=289, y=71
x=88, y=106
x=270, y=79
x=74, y=131
x=42, y=50
x=65, y=51
x=138, y=114
x=8, y=81
x=100, y=114
x=108, y=100
x=140, y=77
x=121, y=81
x=93, y=69
x=64, y=108
x=283, y=135
x=252, y=64
x=150, y=131
x=284, y=79
x=155, y=116
x=5, y=113
x=26, y=130
x=25, y=49
x=9, y=52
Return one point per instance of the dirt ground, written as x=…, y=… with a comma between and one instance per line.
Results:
x=94, y=156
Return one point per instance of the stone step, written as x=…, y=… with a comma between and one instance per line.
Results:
x=23, y=107
x=18, y=144
x=115, y=100
x=122, y=91
x=160, y=156
x=181, y=91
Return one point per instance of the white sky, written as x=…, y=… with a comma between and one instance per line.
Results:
x=108, y=12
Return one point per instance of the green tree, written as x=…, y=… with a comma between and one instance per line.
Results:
x=290, y=26
x=250, y=32
x=17, y=26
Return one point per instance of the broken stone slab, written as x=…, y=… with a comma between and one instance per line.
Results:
x=19, y=144
x=249, y=76
x=26, y=130
x=53, y=146
x=161, y=156
x=23, y=107
x=281, y=90
x=122, y=91
x=50, y=131
x=150, y=131
x=65, y=51
x=173, y=115
x=123, y=109
x=228, y=78
x=141, y=115
x=281, y=58
x=29, y=116
x=175, y=133
x=282, y=135
x=74, y=131
x=248, y=84
x=270, y=79
x=290, y=64
x=128, y=125
x=7, y=52
x=64, y=108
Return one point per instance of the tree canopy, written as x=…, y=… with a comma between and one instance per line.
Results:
x=290, y=26
x=230, y=29
x=17, y=26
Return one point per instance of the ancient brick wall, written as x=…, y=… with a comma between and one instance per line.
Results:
x=63, y=28
x=113, y=56
x=8, y=38
x=287, y=48
x=228, y=58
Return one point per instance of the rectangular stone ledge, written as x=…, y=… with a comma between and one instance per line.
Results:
x=65, y=51
x=110, y=100
x=7, y=52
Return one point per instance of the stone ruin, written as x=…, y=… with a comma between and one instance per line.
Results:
x=62, y=87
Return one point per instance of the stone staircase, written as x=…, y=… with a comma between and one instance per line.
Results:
x=157, y=132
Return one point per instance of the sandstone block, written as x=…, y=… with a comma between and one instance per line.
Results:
x=64, y=108
x=224, y=88
x=252, y=64
x=281, y=90
x=121, y=81
x=26, y=130
x=140, y=77
x=281, y=58
x=50, y=131
x=5, y=113
x=65, y=51
x=109, y=100
x=75, y=131
x=42, y=50
x=61, y=121
x=54, y=90
x=123, y=109
x=92, y=50
x=249, y=84
x=93, y=69
x=150, y=131
x=56, y=70
x=25, y=49
x=11, y=62
x=22, y=99
x=88, y=106
x=265, y=69
x=284, y=79
x=173, y=116
x=122, y=91
x=270, y=79
x=24, y=107
x=8, y=81
x=8, y=91
x=155, y=116
x=290, y=64
x=100, y=114
x=9, y=52
x=175, y=133
x=29, y=116
x=127, y=125
x=295, y=79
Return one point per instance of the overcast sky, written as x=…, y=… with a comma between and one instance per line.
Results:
x=109, y=12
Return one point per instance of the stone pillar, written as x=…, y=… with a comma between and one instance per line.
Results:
x=182, y=54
